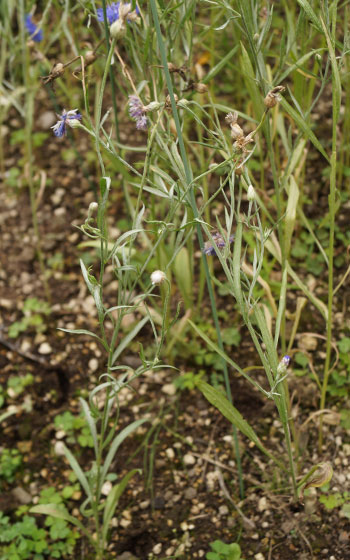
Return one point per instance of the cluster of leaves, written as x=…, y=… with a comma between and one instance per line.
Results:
x=10, y=463
x=336, y=500
x=75, y=427
x=25, y=539
x=223, y=551
x=34, y=311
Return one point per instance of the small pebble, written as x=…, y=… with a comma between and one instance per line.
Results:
x=170, y=453
x=189, y=459
x=157, y=548
x=93, y=365
x=45, y=348
x=169, y=389
x=106, y=488
x=59, y=448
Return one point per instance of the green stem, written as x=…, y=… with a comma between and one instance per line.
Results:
x=192, y=202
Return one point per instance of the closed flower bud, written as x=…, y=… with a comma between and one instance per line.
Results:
x=93, y=206
x=236, y=131
x=158, y=277
x=282, y=366
x=117, y=29
x=251, y=195
x=153, y=106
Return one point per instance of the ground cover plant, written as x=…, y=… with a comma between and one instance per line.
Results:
x=174, y=338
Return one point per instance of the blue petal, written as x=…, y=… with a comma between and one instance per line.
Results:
x=60, y=130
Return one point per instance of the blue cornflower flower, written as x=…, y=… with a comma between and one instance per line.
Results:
x=112, y=12
x=36, y=34
x=137, y=112
x=209, y=249
x=67, y=117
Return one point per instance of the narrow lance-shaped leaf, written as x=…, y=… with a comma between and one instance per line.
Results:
x=218, y=399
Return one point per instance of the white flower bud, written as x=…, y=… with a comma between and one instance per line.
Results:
x=251, y=194
x=183, y=103
x=93, y=206
x=153, y=106
x=158, y=277
x=117, y=29
x=73, y=123
x=236, y=131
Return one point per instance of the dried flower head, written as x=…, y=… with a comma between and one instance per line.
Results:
x=273, y=96
x=231, y=118
x=236, y=130
x=220, y=242
x=35, y=33
x=68, y=117
x=168, y=101
x=56, y=72
x=200, y=88
x=137, y=112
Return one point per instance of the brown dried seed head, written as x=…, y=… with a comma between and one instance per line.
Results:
x=272, y=97
x=168, y=100
x=201, y=88
x=124, y=10
x=90, y=57
x=133, y=16
x=172, y=67
x=58, y=70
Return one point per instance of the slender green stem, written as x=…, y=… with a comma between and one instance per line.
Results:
x=336, y=98
x=192, y=202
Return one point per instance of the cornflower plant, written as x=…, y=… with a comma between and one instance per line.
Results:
x=102, y=408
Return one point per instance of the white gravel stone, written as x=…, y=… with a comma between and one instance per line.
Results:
x=60, y=434
x=262, y=504
x=106, y=488
x=45, y=348
x=59, y=448
x=223, y=510
x=170, y=453
x=157, y=548
x=189, y=459
x=169, y=389
x=93, y=365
